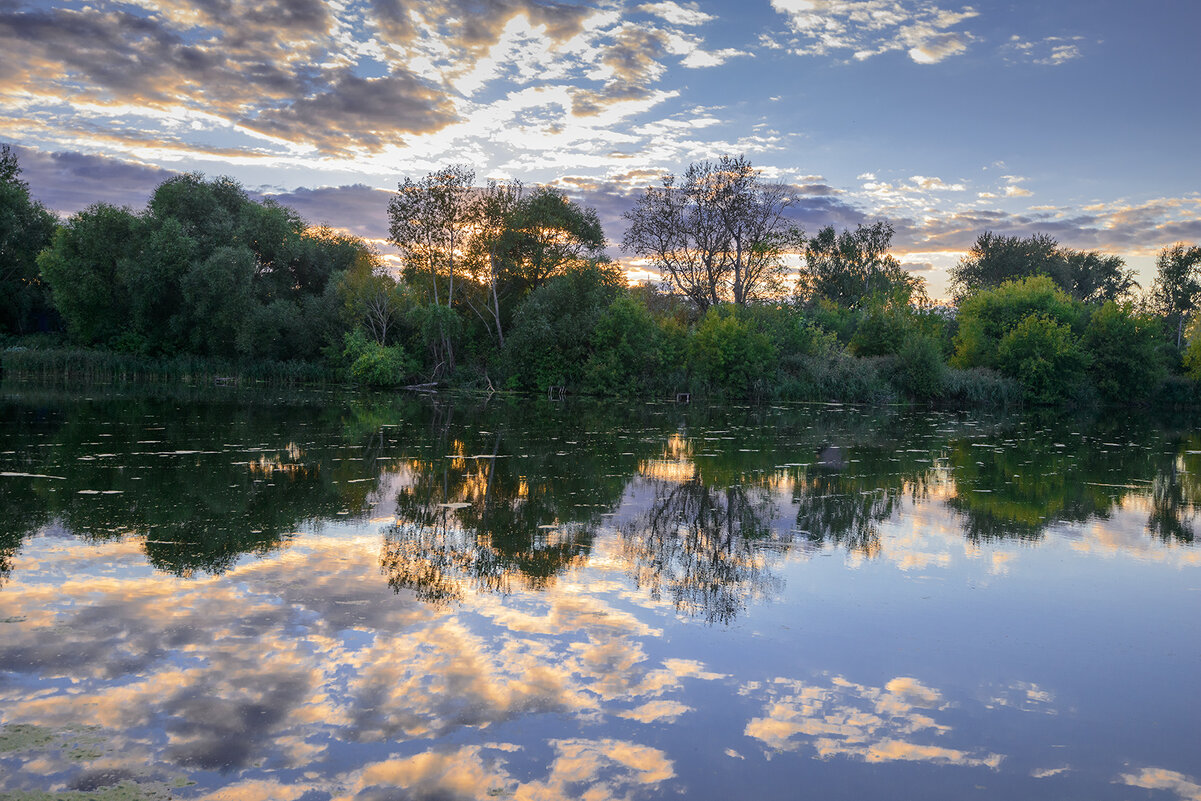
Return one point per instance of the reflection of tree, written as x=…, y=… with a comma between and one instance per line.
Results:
x=701, y=546
x=840, y=509
x=1174, y=501
x=493, y=515
x=203, y=482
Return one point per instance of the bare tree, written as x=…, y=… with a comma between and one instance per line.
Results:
x=719, y=235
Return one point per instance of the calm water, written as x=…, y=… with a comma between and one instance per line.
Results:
x=233, y=596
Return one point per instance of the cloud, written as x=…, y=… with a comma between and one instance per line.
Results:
x=677, y=14
x=874, y=724
x=1050, y=51
x=866, y=28
x=69, y=182
x=273, y=67
x=1184, y=787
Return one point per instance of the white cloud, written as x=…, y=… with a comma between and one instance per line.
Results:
x=1050, y=51
x=677, y=14
x=867, y=28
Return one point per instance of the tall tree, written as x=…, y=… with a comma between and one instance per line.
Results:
x=1177, y=288
x=83, y=267
x=1087, y=276
x=429, y=220
x=718, y=235
x=25, y=228
x=848, y=268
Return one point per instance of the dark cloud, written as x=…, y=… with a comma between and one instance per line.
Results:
x=268, y=66
x=69, y=182
x=473, y=26
x=359, y=209
x=361, y=112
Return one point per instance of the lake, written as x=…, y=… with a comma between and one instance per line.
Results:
x=243, y=595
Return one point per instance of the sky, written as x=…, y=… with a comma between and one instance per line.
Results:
x=1076, y=118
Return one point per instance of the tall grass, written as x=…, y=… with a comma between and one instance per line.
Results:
x=77, y=366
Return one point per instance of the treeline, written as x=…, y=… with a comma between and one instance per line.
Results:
x=508, y=287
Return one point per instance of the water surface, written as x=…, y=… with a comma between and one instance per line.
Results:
x=229, y=595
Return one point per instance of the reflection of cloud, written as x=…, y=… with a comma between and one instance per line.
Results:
x=261, y=668
x=892, y=723
x=1185, y=787
x=598, y=770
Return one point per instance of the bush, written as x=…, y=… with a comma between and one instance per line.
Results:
x=728, y=354
x=921, y=372
x=1045, y=356
x=549, y=341
x=1126, y=362
x=980, y=387
x=987, y=317
x=374, y=364
x=626, y=351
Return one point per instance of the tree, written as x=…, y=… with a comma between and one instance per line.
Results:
x=1177, y=287
x=720, y=235
x=1087, y=276
x=550, y=341
x=429, y=220
x=25, y=228
x=848, y=268
x=1095, y=278
x=988, y=316
x=370, y=297
x=1123, y=345
x=83, y=267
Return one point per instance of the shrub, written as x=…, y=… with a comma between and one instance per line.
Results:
x=987, y=317
x=728, y=354
x=625, y=348
x=1045, y=356
x=921, y=372
x=1126, y=363
x=374, y=364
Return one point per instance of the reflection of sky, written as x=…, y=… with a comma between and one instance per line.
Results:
x=929, y=658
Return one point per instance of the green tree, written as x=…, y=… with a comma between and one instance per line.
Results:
x=986, y=317
x=1177, y=288
x=550, y=340
x=729, y=354
x=626, y=349
x=849, y=268
x=1087, y=276
x=1125, y=361
x=26, y=227
x=371, y=298
x=718, y=235
x=1045, y=356
x=84, y=267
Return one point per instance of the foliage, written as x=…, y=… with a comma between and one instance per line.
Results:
x=729, y=354
x=719, y=235
x=921, y=369
x=84, y=268
x=549, y=344
x=25, y=228
x=204, y=270
x=375, y=364
x=1087, y=276
x=988, y=316
x=1045, y=356
x=1123, y=346
x=626, y=350
x=1177, y=287
x=849, y=268
x=1192, y=352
